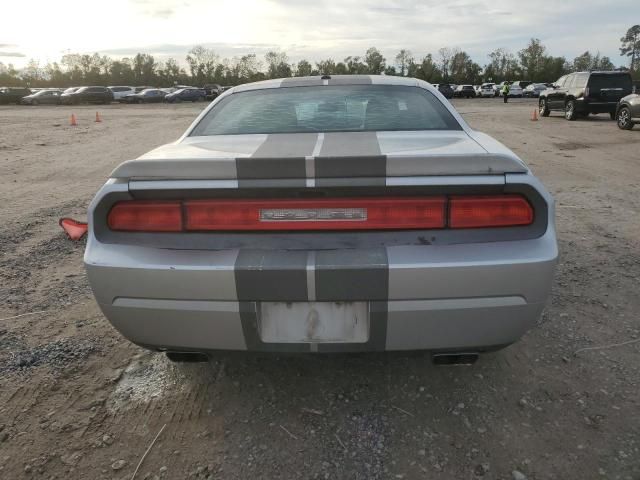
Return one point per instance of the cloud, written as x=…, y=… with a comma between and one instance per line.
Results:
x=162, y=9
x=11, y=54
x=319, y=29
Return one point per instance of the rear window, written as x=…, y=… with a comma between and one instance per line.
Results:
x=581, y=80
x=603, y=80
x=344, y=108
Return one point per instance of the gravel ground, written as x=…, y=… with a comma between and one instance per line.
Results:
x=78, y=401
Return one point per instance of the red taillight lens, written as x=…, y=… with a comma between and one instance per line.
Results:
x=146, y=216
x=489, y=211
x=373, y=213
x=390, y=213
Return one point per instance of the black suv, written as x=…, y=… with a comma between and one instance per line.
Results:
x=87, y=95
x=581, y=93
x=13, y=94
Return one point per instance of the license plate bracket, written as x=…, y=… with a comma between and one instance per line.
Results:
x=314, y=322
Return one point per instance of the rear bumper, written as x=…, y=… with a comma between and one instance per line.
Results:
x=452, y=297
x=587, y=106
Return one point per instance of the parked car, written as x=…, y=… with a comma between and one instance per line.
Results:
x=150, y=95
x=120, y=92
x=87, y=95
x=579, y=94
x=533, y=90
x=13, y=94
x=211, y=91
x=466, y=91
x=139, y=89
x=445, y=89
x=521, y=83
x=185, y=95
x=71, y=89
x=628, y=111
x=292, y=235
x=486, y=90
x=45, y=97
x=515, y=90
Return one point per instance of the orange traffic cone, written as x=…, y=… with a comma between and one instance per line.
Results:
x=73, y=122
x=98, y=119
x=534, y=115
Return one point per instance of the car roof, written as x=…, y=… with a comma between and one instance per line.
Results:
x=332, y=79
x=604, y=72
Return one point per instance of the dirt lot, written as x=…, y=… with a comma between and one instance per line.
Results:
x=78, y=401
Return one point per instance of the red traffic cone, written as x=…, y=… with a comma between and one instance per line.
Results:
x=98, y=119
x=73, y=122
x=534, y=115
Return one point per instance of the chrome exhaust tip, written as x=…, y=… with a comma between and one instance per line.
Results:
x=455, y=359
x=187, y=357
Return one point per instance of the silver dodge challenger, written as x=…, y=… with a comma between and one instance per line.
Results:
x=324, y=214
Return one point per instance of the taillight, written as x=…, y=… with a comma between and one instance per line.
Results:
x=146, y=216
x=387, y=213
x=489, y=211
x=366, y=213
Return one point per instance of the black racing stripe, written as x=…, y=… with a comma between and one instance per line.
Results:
x=351, y=275
x=356, y=275
x=351, y=80
x=251, y=331
x=270, y=275
x=350, y=155
x=279, y=156
x=251, y=169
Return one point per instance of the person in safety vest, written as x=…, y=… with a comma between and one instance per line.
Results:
x=505, y=92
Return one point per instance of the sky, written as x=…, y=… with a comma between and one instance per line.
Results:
x=311, y=29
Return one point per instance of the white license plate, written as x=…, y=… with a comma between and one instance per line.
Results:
x=314, y=322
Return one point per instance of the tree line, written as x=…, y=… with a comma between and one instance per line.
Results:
x=204, y=66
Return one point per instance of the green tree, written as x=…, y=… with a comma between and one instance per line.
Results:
x=144, y=69
x=326, y=67
x=502, y=66
x=277, y=64
x=426, y=70
x=202, y=64
x=32, y=74
x=404, y=58
x=170, y=73
x=303, y=69
x=631, y=47
x=355, y=65
x=553, y=68
x=463, y=69
x=532, y=60
x=376, y=63
x=446, y=54
x=583, y=62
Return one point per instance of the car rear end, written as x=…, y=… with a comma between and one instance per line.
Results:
x=323, y=242
x=487, y=90
x=605, y=89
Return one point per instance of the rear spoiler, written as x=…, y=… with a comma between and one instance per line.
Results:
x=382, y=166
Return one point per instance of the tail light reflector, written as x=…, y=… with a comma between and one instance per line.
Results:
x=489, y=211
x=146, y=216
x=387, y=213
